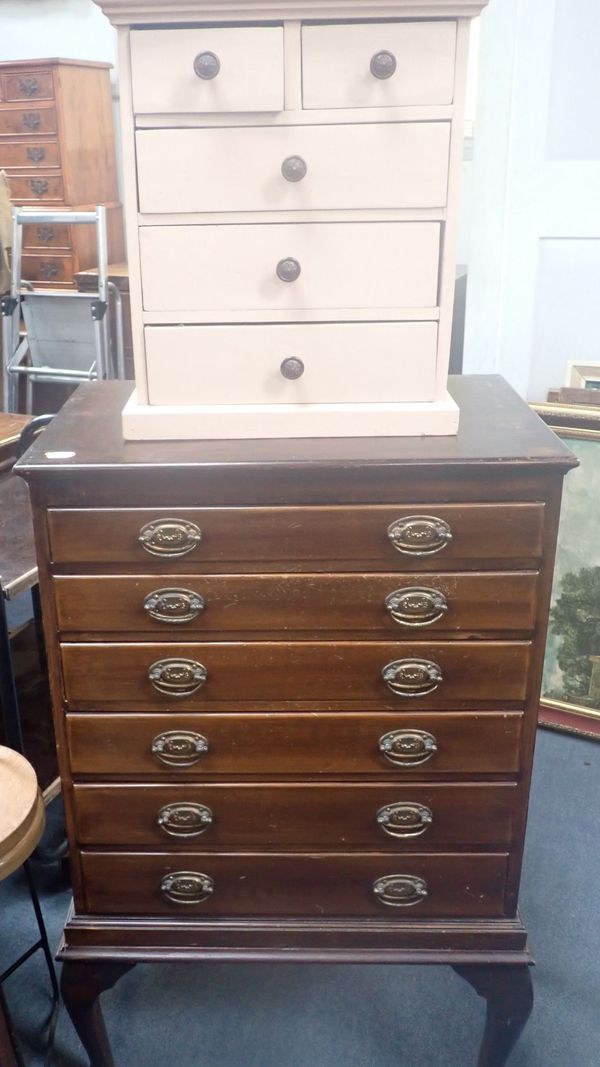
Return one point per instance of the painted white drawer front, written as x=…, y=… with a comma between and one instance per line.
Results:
x=399, y=165
x=248, y=61
x=359, y=363
x=416, y=60
x=342, y=265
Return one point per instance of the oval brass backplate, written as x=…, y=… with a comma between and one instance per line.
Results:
x=419, y=535
x=179, y=748
x=400, y=890
x=169, y=537
x=177, y=677
x=173, y=605
x=416, y=605
x=186, y=887
x=407, y=748
x=404, y=819
x=184, y=819
x=412, y=677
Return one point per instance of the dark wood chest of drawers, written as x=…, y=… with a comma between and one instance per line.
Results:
x=296, y=683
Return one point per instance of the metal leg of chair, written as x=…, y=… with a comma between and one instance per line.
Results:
x=8, y=692
x=44, y=944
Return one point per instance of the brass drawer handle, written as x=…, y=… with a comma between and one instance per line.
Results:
x=29, y=86
x=173, y=605
x=186, y=887
x=36, y=154
x=416, y=606
x=408, y=748
x=45, y=234
x=404, y=819
x=383, y=65
x=179, y=748
x=169, y=537
x=294, y=169
x=184, y=819
x=412, y=677
x=177, y=677
x=39, y=186
x=207, y=65
x=400, y=890
x=48, y=271
x=419, y=535
x=32, y=120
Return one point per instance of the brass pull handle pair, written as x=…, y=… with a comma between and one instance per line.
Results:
x=194, y=887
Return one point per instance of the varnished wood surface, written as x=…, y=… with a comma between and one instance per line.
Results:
x=327, y=538
x=313, y=603
x=300, y=816
x=278, y=743
x=496, y=428
x=99, y=676
x=317, y=884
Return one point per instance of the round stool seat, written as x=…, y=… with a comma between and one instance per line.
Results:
x=22, y=815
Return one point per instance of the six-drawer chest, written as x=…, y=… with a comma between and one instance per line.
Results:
x=295, y=690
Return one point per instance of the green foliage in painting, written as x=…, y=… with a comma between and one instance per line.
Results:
x=575, y=619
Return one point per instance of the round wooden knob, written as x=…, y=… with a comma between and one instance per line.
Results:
x=383, y=65
x=207, y=65
x=288, y=270
x=294, y=169
x=292, y=369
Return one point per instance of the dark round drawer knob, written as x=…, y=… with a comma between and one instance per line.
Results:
x=294, y=169
x=207, y=65
x=400, y=890
x=288, y=269
x=186, y=887
x=383, y=65
x=412, y=677
x=292, y=369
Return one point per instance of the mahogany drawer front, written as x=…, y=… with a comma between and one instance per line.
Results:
x=24, y=86
x=292, y=363
x=47, y=269
x=45, y=236
x=37, y=188
x=369, y=537
x=178, y=745
x=343, y=66
x=23, y=155
x=397, y=817
x=290, y=268
x=314, y=603
x=284, y=884
x=154, y=675
x=27, y=121
x=373, y=165
x=208, y=69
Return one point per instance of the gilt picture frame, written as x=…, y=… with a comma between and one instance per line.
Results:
x=570, y=698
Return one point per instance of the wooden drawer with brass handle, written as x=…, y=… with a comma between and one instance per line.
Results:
x=48, y=270
x=301, y=816
x=184, y=746
x=317, y=884
x=28, y=86
x=314, y=603
x=23, y=155
x=379, y=674
x=36, y=189
x=27, y=121
x=378, y=537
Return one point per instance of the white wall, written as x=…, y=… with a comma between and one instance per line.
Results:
x=41, y=29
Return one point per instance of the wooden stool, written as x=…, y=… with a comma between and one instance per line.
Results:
x=22, y=820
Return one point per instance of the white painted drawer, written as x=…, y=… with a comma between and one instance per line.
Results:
x=399, y=165
x=337, y=58
x=249, y=78
x=343, y=363
x=342, y=265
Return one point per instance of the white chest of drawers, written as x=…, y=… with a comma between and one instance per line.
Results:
x=291, y=190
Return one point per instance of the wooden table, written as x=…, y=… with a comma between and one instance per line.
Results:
x=295, y=691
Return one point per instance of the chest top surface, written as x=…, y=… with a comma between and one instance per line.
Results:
x=497, y=428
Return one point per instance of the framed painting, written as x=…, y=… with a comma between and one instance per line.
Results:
x=571, y=679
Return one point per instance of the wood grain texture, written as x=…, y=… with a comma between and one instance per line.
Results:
x=314, y=884
x=302, y=816
x=331, y=536
x=98, y=677
x=280, y=743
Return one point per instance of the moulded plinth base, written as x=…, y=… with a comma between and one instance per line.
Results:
x=146, y=422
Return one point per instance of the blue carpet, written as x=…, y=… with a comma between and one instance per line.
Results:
x=226, y=1015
